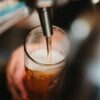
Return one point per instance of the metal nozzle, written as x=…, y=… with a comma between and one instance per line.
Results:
x=45, y=19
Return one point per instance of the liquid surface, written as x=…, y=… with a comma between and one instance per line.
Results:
x=41, y=57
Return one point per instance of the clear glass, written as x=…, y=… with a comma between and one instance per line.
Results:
x=43, y=74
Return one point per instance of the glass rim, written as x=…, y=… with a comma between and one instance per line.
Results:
x=43, y=64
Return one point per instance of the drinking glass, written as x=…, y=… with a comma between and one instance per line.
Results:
x=43, y=71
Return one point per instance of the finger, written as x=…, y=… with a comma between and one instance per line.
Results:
x=9, y=82
x=18, y=73
x=16, y=57
x=18, y=80
x=15, y=94
x=10, y=68
x=9, y=75
x=23, y=91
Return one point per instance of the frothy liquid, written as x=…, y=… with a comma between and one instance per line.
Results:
x=41, y=79
x=40, y=56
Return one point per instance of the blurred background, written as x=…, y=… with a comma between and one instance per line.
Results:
x=81, y=20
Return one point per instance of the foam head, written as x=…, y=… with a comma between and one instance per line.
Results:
x=41, y=57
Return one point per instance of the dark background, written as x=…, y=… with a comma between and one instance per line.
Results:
x=15, y=36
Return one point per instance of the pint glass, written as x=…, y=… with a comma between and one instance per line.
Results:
x=42, y=74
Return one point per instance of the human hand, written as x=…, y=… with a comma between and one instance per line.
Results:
x=15, y=74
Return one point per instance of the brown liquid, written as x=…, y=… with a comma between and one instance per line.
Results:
x=39, y=84
x=49, y=47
